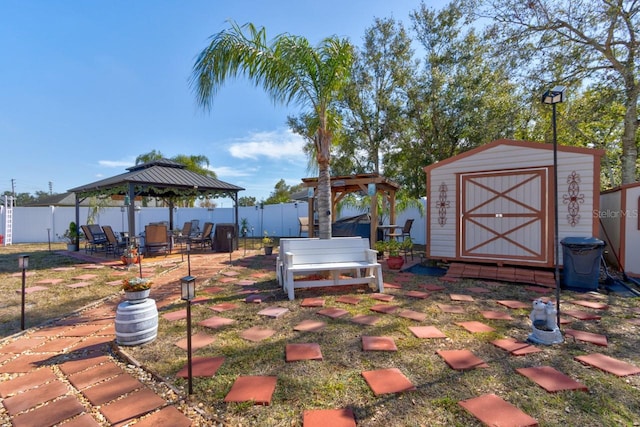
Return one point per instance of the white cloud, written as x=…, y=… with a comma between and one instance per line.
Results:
x=280, y=144
x=227, y=171
x=116, y=163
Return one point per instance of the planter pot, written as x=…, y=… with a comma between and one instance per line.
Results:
x=268, y=250
x=395, y=262
x=72, y=247
x=137, y=297
x=130, y=260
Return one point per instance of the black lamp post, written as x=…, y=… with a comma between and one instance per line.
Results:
x=23, y=263
x=189, y=258
x=188, y=292
x=555, y=96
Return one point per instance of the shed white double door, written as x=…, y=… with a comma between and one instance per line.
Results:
x=504, y=216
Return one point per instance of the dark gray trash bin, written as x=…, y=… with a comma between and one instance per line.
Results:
x=581, y=262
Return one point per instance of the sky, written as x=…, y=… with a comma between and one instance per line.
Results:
x=87, y=86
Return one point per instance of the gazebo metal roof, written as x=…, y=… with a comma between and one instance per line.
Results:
x=161, y=178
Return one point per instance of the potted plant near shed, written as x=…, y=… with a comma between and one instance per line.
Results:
x=130, y=256
x=393, y=247
x=267, y=243
x=70, y=236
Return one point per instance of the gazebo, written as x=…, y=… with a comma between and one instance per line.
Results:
x=165, y=179
x=372, y=184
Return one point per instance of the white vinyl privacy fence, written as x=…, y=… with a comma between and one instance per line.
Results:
x=44, y=224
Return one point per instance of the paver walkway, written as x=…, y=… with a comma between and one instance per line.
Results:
x=70, y=372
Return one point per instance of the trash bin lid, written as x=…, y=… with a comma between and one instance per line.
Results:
x=581, y=241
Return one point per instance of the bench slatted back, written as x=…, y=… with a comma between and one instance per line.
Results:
x=310, y=251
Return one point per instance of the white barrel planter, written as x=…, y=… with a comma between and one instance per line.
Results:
x=136, y=323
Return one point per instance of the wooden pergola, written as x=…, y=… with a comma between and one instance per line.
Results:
x=371, y=184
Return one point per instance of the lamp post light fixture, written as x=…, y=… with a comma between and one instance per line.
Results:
x=23, y=264
x=230, y=245
x=552, y=97
x=188, y=292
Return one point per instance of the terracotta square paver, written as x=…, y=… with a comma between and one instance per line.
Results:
x=245, y=282
x=596, y=339
x=175, y=315
x=230, y=273
x=609, y=364
x=257, y=389
x=78, y=285
x=59, y=344
x=198, y=340
x=24, y=363
x=348, y=300
x=111, y=389
x=461, y=297
x=225, y=306
x=392, y=285
x=333, y=312
x=432, y=287
x=213, y=289
x=302, y=351
x=495, y=315
x=461, y=360
x=539, y=289
x=23, y=344
x=382, y=297
x=274, y=312
x=417, y=294
x=312, y=302
x=591, y=304
x=166, y=417
x=35, y=396
x=27, y=381
x=84, y=277
x=364, y=319
x=385, y=381
x=378, y=344
x=413, y=315
x=82, y=330
x=90, y=376
x=581, y=315
x=49, y=281
x=135, y=404
x=201, y=367
x=64, y=408
x=32, y=289
x=328, y=417
x=494, y=411
x=449, y=279
x=84, y=420
x=550, y=379
x=215, y=322
x=227, y=280
x=517, y=348
x=310, y=326
x=426, y=332
x=257, y=333
x=384, y=308
x=475, y=327
x=452, y=309
x=83, y=363
x=513, y=304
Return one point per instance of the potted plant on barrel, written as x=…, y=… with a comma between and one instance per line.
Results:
x=393, y=247
x=136, y=289
x=267, y=243
x=70, y=235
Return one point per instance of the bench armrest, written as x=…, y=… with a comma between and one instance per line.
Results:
x=372, y=256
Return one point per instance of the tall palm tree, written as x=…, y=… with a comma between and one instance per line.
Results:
x=289, y=69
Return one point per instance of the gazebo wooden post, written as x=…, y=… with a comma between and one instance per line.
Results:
x=132, y=212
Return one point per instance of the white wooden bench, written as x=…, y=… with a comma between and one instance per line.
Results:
x=337, y=255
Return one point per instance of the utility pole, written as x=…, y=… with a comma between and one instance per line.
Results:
x=50, y=188
x=13, y=188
